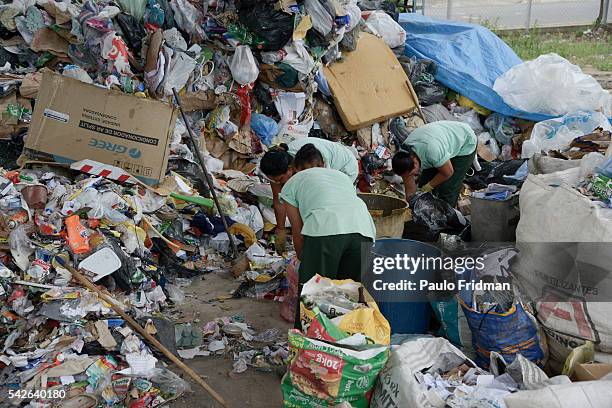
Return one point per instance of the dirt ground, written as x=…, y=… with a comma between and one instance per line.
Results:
x=249, y=389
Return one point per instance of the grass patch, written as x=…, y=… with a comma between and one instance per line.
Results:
x=592, y=48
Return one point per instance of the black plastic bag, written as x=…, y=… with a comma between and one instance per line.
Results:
x=422, y=78
x=274, y=27
x=133, y=31
x=436, y=215
x=494, y=172
x=192, y=172
x=261, y=92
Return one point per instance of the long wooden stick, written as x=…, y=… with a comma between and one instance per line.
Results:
x=211, y=186
x=87, y=283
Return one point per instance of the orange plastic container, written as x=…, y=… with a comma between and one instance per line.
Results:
x=78, y=239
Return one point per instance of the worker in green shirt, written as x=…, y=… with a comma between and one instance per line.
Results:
x=440, y=155
x=329, y=222
x=277, y=165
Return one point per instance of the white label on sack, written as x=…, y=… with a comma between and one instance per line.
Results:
x=58, y=116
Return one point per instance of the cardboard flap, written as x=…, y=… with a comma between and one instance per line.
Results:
x=369, y=85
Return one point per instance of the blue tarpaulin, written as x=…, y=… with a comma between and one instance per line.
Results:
x=470, y=58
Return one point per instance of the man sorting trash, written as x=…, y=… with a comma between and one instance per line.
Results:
x=277, y=164
x=439, y=154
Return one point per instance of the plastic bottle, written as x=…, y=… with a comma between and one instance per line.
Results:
x=78, y=238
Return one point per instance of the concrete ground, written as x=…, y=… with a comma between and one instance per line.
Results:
x=248, y=389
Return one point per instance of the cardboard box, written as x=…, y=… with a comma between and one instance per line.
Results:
x=73, y=121
x=369, y=85
x=591, y=371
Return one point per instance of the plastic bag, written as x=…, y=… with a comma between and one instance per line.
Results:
x=435, y=214
x=381, y=24
x=551, y=85
x=272, y=26
x=169, y=383
x=322, y=374
x=21, y=247
x=469, y=116
x=133, y=31
x=422, y=77
x=298, y=57
x=244, y=67
x=76, y=72
x=188, y=17
x=558, y=133
x=368, y=321
x=115, y=50
x=322, y=14
x=264, y=127
x=180, y=68
x=501, y=127
x=508, y=333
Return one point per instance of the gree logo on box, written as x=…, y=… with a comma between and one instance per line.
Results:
x=115, y=148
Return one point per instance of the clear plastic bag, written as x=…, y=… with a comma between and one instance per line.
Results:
x=551, y=85
x=558, y=133
x=244, y=67
x=21, y=247
x=170, y=383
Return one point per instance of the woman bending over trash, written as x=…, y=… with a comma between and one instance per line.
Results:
x=329, y=222
x=442, y=153
x=277, y=165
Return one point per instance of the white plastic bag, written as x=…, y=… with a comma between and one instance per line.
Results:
x=469, y=116
x=243, y=67
x=551, y=85
x=298, y=57
x=180, y=68
x=558, y=133
x=322, y=20
x=381, y=24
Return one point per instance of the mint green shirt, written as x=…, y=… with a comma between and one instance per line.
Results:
x=335, y=155
x=328, y=203
x=437, y=142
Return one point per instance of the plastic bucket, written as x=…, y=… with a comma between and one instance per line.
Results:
x=389, y=214
x=404, y=317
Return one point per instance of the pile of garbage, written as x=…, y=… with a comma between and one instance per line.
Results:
x=99, y=172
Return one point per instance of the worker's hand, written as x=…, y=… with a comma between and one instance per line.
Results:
x=427, y=188
x=280, y=243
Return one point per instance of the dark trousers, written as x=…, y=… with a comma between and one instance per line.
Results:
x=332, y=256
x=450, y=189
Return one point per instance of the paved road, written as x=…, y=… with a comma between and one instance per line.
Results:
x=513, y=14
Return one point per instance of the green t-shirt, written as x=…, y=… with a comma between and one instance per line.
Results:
x=437, y=142
x=335, y=155
x=328, y=203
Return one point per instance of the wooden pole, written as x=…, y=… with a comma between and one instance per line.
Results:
x=207, y=176
x=152, y=340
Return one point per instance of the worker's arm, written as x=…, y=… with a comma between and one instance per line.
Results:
x=296, y=228
x=410, y=186
x=444, y=173
x=280, y=211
